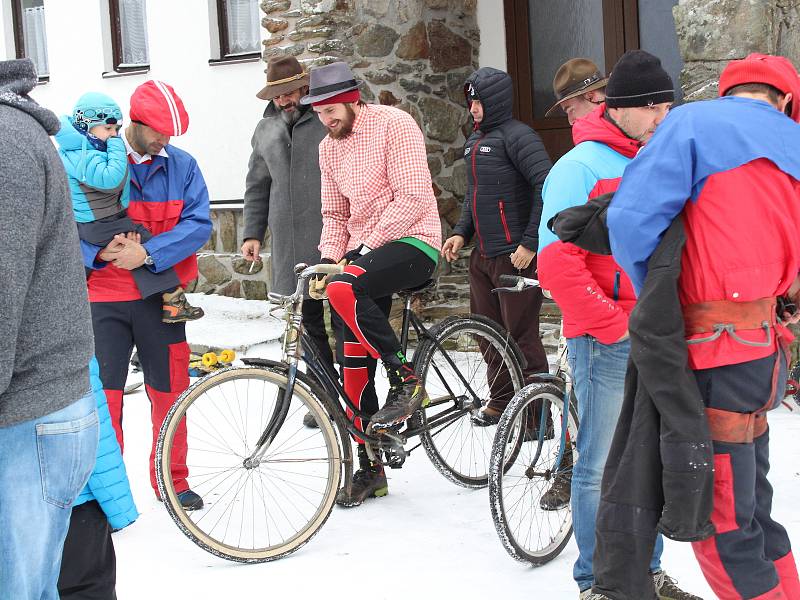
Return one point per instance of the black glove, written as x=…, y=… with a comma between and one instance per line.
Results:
x=356, y=253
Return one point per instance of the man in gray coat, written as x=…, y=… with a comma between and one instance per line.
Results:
x=283, y=187
x=48, y=420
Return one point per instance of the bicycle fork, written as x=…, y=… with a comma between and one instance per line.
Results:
x=276, y=421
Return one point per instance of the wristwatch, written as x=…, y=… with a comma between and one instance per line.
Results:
x=148, y=260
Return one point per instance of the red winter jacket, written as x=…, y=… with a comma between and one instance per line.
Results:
x=594, y=294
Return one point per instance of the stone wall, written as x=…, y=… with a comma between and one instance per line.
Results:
x=712, y=32
x=222, y=269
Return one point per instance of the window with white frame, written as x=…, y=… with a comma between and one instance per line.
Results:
x=239, y=28
x=129, y=34
x=30, y=34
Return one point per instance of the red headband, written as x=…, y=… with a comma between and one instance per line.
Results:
x=343, y=98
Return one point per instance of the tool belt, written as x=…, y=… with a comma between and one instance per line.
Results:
x=735, y=428
x=725, y=316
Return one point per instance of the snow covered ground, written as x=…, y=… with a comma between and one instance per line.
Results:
x=427, y=539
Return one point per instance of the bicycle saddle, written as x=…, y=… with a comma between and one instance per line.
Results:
x=416, y=290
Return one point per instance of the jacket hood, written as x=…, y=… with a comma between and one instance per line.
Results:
x=595, y=127
x=68, y=137
x=17, y=79
x=496, y=93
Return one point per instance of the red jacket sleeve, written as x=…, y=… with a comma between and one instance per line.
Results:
x=562, y=270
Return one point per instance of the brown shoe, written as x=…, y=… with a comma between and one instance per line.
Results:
x=176, y=308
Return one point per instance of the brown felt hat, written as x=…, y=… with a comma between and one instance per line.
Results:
x=575, y=77
x=285, y=74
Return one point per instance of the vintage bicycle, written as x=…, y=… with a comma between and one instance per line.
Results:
x=268, y=482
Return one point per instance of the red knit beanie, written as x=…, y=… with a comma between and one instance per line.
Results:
x=156, y=104
x=776, y=71
x=343, y=98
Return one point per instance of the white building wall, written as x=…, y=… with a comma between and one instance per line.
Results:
x=220, y=99
x=493, y=34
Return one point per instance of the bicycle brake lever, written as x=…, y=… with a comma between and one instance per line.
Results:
x=517, y=288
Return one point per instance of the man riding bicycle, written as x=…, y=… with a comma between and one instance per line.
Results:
x=380, y=219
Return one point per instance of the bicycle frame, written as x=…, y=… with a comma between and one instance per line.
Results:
x=297, y=346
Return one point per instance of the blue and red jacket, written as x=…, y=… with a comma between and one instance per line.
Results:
x=593, y=292
x=731, y=167
x=168, y=195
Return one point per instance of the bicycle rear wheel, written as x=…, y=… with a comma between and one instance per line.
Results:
x=528, y=531
x=475, y=360
x=252, y=512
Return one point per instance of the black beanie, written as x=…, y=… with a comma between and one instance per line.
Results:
x=638, y=79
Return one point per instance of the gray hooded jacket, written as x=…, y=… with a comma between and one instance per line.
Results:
x=283, y=192
x=46, y=327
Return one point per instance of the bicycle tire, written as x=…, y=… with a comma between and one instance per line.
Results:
x=512, y=485
x=445, y=445
x=325, y=471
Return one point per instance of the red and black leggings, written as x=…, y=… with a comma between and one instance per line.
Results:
x=750, y=556
x=362, y=297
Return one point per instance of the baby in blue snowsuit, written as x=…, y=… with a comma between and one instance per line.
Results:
x=96, y=161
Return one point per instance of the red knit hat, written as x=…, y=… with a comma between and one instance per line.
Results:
x=776, y=71
x=348, y=97
x=156, y=104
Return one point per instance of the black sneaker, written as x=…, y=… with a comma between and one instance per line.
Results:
x=487, y=416
x=178, y=310
x=190, y=500
x=406, y=396
x=368, y=482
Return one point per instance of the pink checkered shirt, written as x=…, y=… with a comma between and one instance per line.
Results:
x=376, y=186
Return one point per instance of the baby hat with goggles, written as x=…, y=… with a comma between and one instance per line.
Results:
x=94, y=109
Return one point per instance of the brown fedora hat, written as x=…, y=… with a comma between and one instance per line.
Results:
x=284, y=75
x=575, y=77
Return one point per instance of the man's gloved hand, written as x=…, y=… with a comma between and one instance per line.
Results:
x=319, y=282
x=356, y=253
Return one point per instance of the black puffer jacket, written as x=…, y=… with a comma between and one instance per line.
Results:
x=506, y=168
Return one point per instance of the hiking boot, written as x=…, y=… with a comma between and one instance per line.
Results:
x=589, y=595
x=368, y=482
x=667, y=588
x=190, y=500
x=176, y=308
x=309, y=421
x=560, y=493
x=406, y=396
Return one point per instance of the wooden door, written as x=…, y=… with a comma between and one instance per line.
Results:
x=543, y=34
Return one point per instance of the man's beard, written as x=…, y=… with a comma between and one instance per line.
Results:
x=292, y=116
x=345, y=125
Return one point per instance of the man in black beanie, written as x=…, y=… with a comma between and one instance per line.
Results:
x=594, y=293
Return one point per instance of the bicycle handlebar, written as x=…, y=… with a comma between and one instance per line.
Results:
x=517, y=283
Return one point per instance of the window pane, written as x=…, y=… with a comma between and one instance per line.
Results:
x=244, y=33
x=35, y=35
x=560, y=31
x=133, y=31
x=657, y=36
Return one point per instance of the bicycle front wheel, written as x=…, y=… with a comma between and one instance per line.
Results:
x=473, y=361
x=532, y=527
x=253, y=511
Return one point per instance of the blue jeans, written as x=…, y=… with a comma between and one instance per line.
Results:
x=44, y=464
x=598, y=371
